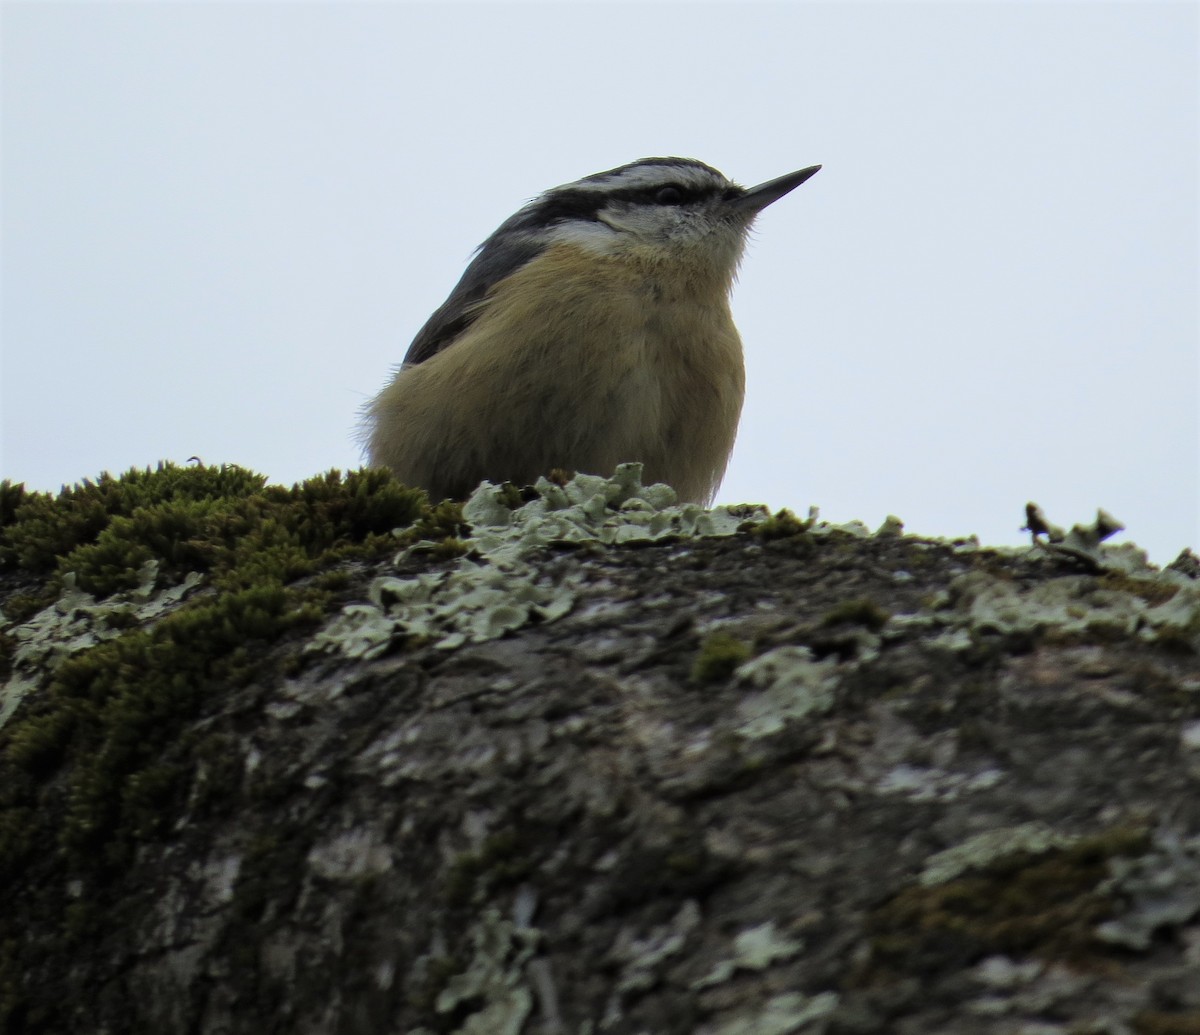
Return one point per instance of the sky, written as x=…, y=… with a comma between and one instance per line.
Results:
x=222, y=223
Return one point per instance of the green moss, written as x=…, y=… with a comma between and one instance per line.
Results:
x=12, y=998
x=200, y=519
x=334, y=581
x=104, y=755
x=11, y=497
x=720, y=654
x=500, y=860
x=1153, y=591
x=114, y=712
x=219, y=771
x=20, y=607
x=781, y=525
x=108, y=727
x=441, y=522
x=1042, y=904
x=862, y=612
x=681, y=865
x=39, y=528
x=8, y=647
x=449, y=548
x=1162, y=1023
x=268, y=879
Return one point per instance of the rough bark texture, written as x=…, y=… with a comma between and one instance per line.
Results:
x=770, y=782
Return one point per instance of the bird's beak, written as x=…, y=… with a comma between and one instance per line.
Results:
x=758, y=198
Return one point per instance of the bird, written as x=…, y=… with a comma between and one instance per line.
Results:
x=592, y=328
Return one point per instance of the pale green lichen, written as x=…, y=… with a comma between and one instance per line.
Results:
x=593, y=509
x=1161, y=889
x=892, y=526
x=351, y=855
x=1071, y=604
x=1156, y=607
x=930, y=783
x=781, y=1015
x=493, y=985
x=791, y=685
x=77, y=621
x=756, y=948
x=470, y=603
x=644, y=956
x=360, y=631
x=495, y=589
x=1176, y=620
x=982, y=849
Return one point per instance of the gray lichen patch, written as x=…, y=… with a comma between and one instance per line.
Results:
x=1161, y=889
x=933, y=783
x=471, y=603
x=359, y=631
x=497, y=587
x=642, y=957
x=351, y=855
x=791, y=685
x=589, y=508
x=982, y=849
x=77, y=621
x=733, y=770
x=494, y=987
x=1156, y=606
x=755, y=948
x=784, y=1014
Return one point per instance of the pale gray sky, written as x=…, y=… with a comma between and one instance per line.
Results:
x=224, y=222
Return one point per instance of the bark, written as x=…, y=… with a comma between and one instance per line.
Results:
x=767, y=782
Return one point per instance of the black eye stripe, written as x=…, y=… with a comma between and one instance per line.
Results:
x=563, y=205
x=581, y=203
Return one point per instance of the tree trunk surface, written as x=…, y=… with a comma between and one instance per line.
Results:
x=760, y=783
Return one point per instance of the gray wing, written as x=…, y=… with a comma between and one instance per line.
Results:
x=502, y=254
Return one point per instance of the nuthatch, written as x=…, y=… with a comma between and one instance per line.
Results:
x=592, y=328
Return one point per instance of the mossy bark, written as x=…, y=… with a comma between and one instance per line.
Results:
x=769, y=782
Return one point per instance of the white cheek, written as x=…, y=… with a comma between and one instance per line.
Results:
x=601, y=237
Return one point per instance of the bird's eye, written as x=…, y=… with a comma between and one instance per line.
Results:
x=668, y=196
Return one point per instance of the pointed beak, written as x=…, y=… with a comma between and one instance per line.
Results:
x=758, y=198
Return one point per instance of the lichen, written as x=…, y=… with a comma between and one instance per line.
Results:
x=493, y=986
x=76, y=621
x=755, y=948
x=790, y=685
x=978, y=851
x=100, y=690
x=781, y=1015
x=1160, y=889
x=1047, y=903
x=591, y=509
x=932, y=783
x=1157, y=607
x=642, y=958
x=496, y=585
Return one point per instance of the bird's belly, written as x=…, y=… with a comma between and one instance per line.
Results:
x=608, y=373
x=667, y=398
